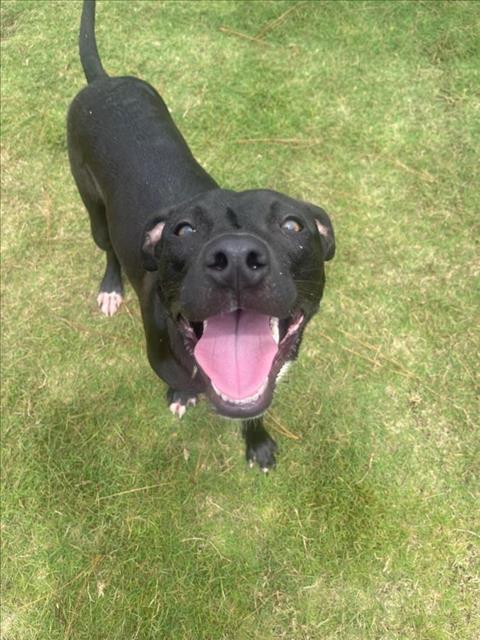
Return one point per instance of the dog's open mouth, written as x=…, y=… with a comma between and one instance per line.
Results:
x=241, y=354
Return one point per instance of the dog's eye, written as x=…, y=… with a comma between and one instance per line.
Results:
x=184, y=229
x=291, y=225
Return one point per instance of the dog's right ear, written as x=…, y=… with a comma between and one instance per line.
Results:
x=325, y=229
x=151, y=237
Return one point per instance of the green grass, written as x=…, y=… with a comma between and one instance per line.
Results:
x=121, y=523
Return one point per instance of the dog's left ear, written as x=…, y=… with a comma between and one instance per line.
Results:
x=151, y=237
x=325, y=229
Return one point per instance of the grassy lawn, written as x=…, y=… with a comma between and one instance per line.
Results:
x=120, y=522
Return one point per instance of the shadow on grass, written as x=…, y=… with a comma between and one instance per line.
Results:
x=126, y=508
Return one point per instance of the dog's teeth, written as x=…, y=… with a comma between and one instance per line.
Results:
x=274, y=329
x=248, y=400
x=293, y=327
x=283, y=370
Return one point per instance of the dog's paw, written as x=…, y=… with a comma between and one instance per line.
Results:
x=263, y=454
x=109, y=302
x=178, y=402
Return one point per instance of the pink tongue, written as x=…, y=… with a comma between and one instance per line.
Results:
x=236, y=352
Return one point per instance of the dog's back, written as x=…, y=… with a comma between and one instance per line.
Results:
x=120, y=131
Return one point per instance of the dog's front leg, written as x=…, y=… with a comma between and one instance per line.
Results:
x=260, y=447
x=183, y=387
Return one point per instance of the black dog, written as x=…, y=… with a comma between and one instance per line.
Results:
x=226, y=281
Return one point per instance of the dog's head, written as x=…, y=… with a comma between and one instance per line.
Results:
x=241, y=274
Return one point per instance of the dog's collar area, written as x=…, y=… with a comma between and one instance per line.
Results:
x=240, y=355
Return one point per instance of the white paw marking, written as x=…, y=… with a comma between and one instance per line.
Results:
x=109, y=302
x=178, y=409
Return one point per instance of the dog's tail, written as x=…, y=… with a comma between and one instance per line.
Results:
x=89, y=57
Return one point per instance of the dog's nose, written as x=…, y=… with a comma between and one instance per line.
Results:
x=237, y=260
